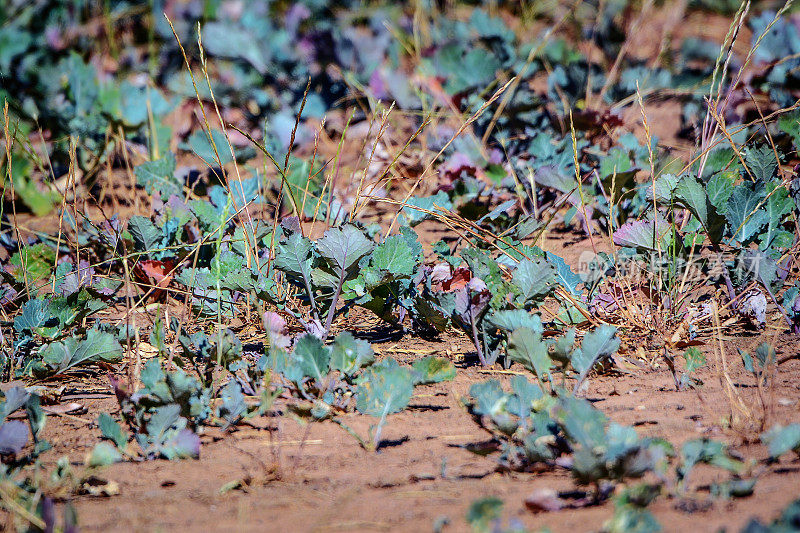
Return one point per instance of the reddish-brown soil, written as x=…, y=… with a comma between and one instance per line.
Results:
x=317, y=478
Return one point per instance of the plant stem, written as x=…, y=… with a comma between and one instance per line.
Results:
x=311, y=300
x=728, y=283
x=476, y=340
x=332, y=309
x=364, y=444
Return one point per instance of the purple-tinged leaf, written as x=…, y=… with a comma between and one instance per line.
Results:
x=13, y=437
x=184, y=445
x=644, y=234
x=275, y=326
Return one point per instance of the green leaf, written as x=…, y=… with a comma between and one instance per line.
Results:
x=433, y=369
x=691, y=193
x=512, y=319
x=163, y=419
x=208, y=216
x=15, y=398
x=778, y=205
x=535, y=279
x=36, y=416
x=664, y=188
x=112, y=431
x=525, y=391
x=233, y=405
x=706, y=451
x=104, y=454
x=34, y=314
x=475, y=68
x=394, y=256
x=745, y=217
x=526, y=347
x=82, y=83
x=632, y=519
x=597, y=344
x=564, y=274
x=781, y=439
x=384, y=390
x=694, y=359
x=312, y=357
x=344, y=246
x=789, y=123
x=582, y=422
x=40, y=198
x=232, y=41
x=349, y=354
x=97, y=346
x=483, y=512
x=562, y=348
x=13, y=42
x=200, y=144
x=733, y=488
x=132, y=105
x=428, y=203
x=490, y=400
x=146, y=236
x=747, y=361
x=34, y=264
x=159, y=176
x=764, y=355
x=294, y=256
x=616, y=162
x=761, y=162
x=719, y=189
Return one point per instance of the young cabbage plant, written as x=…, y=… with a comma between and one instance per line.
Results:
x=328, y=381
x=534, y=430
x=526, y=347
x=321, y=269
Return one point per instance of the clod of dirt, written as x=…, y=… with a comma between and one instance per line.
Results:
x=95, y=486
x=544, y=500
x=691, y=506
